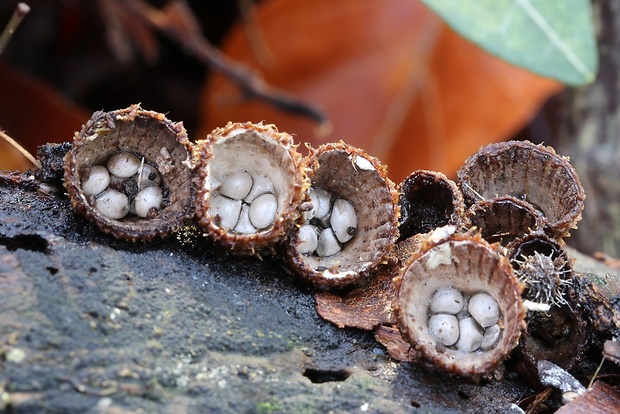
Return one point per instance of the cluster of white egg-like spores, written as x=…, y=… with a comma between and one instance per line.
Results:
x=330, y=224
x=244, y=203
x=468, y=323
x=125, y=184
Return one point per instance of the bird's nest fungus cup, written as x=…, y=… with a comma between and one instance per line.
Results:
x=528, y=172
x=352, y=222
x=250, y=186
x=130, y=172
x=428, y=200
x=459, y=305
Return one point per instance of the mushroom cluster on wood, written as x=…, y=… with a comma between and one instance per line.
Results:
x=444, y=271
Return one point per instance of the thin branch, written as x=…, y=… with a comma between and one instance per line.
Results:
x=19, y=148
x=177, y=23
x=20, y=12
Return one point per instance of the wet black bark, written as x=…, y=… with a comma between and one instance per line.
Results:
x=92, y=324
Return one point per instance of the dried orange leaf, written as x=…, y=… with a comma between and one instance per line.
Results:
x=392, y=78
x=364, y=307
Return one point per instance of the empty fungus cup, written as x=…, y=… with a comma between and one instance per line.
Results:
x=130, y=172
x=504, y=219
x=428, y=200
x=532, y=173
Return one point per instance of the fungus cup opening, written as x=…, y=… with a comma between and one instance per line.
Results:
x=504, y=219
x=157, y=142
x=533, y=173
x=259, y=150
x=350, y=174
x=428, y=200
x=471, y=267
x=243, y=152
x=537, y=242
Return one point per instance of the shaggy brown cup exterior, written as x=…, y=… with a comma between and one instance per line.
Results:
x=164, y=156
x=502, y=219
x=471, y=269
x=272, y=161
x=348, y=174
x=532, y=173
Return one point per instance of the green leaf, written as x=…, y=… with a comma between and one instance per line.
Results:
x=554, y=38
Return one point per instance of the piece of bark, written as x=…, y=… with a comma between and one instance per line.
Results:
x=397, y=347
x=364, y=307
x=600, y=398
x=371, y=304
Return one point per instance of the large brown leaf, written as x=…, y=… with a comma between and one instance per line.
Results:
x=391, y=76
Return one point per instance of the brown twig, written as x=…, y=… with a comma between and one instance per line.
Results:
x=176, y=22
x=20, y=149
x=20, y=12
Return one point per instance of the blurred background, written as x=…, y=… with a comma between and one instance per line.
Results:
x=389, y=77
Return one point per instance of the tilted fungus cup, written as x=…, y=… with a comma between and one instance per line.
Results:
x=428, y=200
x=250, y=186
x=353, y=222
x=532, y=173
x=153, y=193
x=459, y=305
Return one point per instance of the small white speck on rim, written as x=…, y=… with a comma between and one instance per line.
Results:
x=363, y=163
